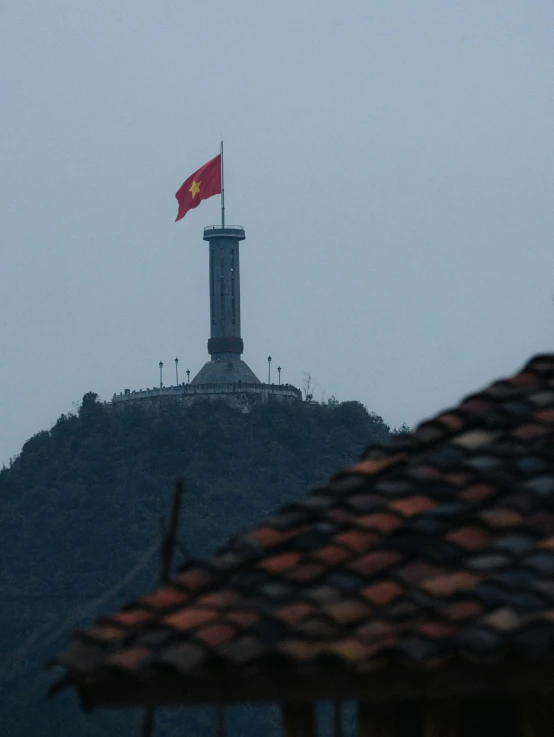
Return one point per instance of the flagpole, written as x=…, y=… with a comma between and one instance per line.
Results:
x=222, y=191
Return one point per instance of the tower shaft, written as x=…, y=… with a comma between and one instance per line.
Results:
x=225, y=341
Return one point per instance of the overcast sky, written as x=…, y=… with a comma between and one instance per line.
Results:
x=390, y=160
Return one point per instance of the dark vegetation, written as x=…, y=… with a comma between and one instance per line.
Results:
x=83, y=501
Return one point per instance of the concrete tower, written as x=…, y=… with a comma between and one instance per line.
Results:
x=225, y=345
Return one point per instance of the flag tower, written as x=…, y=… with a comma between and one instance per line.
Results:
x=225, y=344
x=225, y=376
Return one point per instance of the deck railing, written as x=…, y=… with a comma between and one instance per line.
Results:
x=239, y=387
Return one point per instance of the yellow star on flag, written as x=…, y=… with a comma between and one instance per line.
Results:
x=194, y=188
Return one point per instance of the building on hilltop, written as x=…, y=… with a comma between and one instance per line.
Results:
x=225, y=376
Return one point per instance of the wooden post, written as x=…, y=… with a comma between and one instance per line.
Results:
x=299, y=720
x=220, y=721
x=536, y=716
x=148, y=723
x=168, y=546
x=337, y=732
x=375, y=720
x=441, y=719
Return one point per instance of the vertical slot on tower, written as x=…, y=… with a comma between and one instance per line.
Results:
x=233, y=285
x=222, y=284
x=212, y=285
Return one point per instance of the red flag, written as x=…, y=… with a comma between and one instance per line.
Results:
x=199, y=186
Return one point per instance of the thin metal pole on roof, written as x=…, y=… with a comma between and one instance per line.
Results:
x=168, y=547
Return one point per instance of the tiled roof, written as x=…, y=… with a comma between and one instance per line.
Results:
x=434, y=553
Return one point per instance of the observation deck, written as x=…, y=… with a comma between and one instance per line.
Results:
x=226, y=231
x=190, y=392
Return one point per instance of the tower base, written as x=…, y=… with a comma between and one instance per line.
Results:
x=225, y=371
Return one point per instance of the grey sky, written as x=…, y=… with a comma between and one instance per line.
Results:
x=391, y=161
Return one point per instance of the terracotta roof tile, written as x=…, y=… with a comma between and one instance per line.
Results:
x=378, y=629
x=476, y=405
x=105, y=633
x=452, y=583
x=416, y=572
x=380, y=523
x=435, y=547
x=299, y=649
x=129, y=659
x=478, y=492
x=341, y=516
x=357, y=540
x=215, y=635
x=348, y=650
x=500, y=518
x=268, y=536
x=469, y=538
x=365, y=503
x=322, y=595
x=546, y=416
x=130, y=618
x=504, y=620
x=305, y=573
x=435, y=630
x=243, y=650
x=317, y=628
x=542, y=522
x=347, y=611
x=294, y=613
x=333, y=554
x=189, y=619
x=221, y=599
x=475, y=439
x=542, y=484
x=374, y=466
x=381, y=594
x=242, y=618
x=183, y=656
x=194, y=579
x=280, y=563
x=430, y=432
x=547, y=544
x=412, y=505
x=375, y=562
x=529, y=432
x=451, y=421
x=164, y=599
x=488, y=561
x=462, y=611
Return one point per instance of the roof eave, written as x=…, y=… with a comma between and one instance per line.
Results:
x=459, y=679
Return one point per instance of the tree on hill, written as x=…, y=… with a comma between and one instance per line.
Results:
x=83, y=500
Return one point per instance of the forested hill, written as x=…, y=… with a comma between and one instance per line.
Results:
x=83, y=500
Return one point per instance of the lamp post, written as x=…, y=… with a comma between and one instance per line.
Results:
x=279, y=372
x=269, y=369
x=161, y=365
x=176, y=372
x=188, y=376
